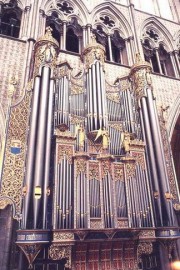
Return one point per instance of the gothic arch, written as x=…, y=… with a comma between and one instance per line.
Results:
x=110, y=10
x=21, y=3
x=165, y=38
x=80, y=10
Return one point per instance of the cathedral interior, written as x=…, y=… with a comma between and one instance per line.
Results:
x=89, y=134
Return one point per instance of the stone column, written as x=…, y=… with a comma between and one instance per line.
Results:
x=158, y=60
x=174, y=64
x=110, y=48
x=64, y=35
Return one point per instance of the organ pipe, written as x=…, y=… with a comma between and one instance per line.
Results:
x=31, y=149
x=48, y=151
x=41, y=139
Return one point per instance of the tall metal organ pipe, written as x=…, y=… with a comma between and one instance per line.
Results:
x=93, y=56
x=96, y=98
x=48, y=152
x=31, y=152
x=40, y=145
x=159, y=153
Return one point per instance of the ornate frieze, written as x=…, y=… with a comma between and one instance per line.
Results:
x=61, y=237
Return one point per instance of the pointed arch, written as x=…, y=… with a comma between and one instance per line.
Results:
x=109, y=9
x=80, y=10
x=165, y=37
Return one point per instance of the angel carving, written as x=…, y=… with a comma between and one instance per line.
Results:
x=49, y=52
x=80, y=129
x=105, y=137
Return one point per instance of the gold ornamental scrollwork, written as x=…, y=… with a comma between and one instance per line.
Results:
x=140, y=76
x=58, y=236
x=94, y=170
x=81, y=166
x=145, y=248
x=105, y=167
x=59, y=252
x=65, y=151
x=93, y=52
x=15, y=151
x=118, y=172
x=45, y=51
x=130, y=170
x=113, y=97
x=76, y=89
x=168, y=159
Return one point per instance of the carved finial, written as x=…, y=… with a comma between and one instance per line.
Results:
x=138, y=58
x=49, y=31
x=93, y=38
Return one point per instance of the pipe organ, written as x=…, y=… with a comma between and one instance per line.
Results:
x=95, y=172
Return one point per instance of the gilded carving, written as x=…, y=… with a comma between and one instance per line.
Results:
x=145, y=248
x=13, y=171
x=118, y=172
x=139, y=159
x=93, y=52
x=96, y=224
x=45, y=51
x=94, y=170
x=76, y=89
x=113, y=97
x=147, y=234
x=59, y=252
x=58, y=236
x=130, y=170
x=140, y=75
x=122, y=224
x=105, y=167
x=76, y=119
x=64, y=151
x=81, y=166
x=168, y=159
x=117, y=125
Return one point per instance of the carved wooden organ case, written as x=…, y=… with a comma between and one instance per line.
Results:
x=95, y=159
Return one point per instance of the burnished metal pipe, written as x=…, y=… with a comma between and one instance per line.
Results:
x=41, y=136
x=48, y=151
x=31, y=150
x=152, y=163
x=160, y=162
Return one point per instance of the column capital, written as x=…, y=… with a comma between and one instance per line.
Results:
x=27, y=8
